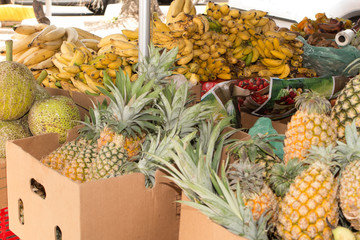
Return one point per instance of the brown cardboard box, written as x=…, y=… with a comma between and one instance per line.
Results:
x=3, y=188
x=248, y=120
x=194, y=225
x=111, y=209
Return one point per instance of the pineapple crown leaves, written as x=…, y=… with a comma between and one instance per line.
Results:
x=157, y=65
x=312, y=102
x=352, y=68
x=226, y=208
x=176, y=112
x=258, y=145
x=95, y=122
x=248, y=175
x=131, y=105
x=283, y=175
x=349, y=151
x=323, y=156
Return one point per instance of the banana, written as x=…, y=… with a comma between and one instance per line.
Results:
x=288, y=35
x=277, y=70
x=244, y=35
x=67, y=86
x=271, y=62
x=68, y=48
x=205, y=21
x=72, y=69
x=131, y=52
x=194, y=79
x=177, y=7
x=276, y=43
x=200, y=25
x=79, y=58
x=273, y=34
x=247, y=15
x=187, y=6
x=197, y=52
x=261, y=52
x=85, y=34
x=93, y=84
x=115, y=64
x=104, y=50
x=106, y=40
x=81, y=86
x=268, y=44
x=27, y=53
x=285, y=72
x=224, y=9
x=59, y=64
x=278, y=54
x=46, y=82
x=255, y=55
x=61, y=59
x=287, y=51
x=185, y=59
x=262, y=22
x=234, y=13
x=71, y=34
x=265, y=73
x=128, y=71
x=182, y=69
x=64, y=76
x=91, y=43
x=28, y=29
x=131, y=34
x=225, y=76
x=188, y=48
x=47, y=63
x=158, y=24
x=51, y=45
x=120, y=44
x=52, y=35
x=193, y=10
x=38, y=56
x=256, y=67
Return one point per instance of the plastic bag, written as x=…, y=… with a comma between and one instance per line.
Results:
x=328, y=61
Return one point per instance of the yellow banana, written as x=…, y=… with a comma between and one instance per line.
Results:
x=67, y=49
x=158, y=24
x=106, y=40
x=182, y=69
x=28, y=29
x=53, y=34
x=51, y=45
x=185, y=59
x=187, y=6
x=261, y=52
x=131, y=34
x=72, y=69
x=128, y=70
x=225, y=76
x=71, y=34
x=42, y=33
x=64, y=76
x=81, y=86
x=67, y=86
x=234, y=13
x=287, y=51
x=285, y=72
x=47, y=63
x=277, y=70
x=205, y=21
x=248, y=14
x=104, y=50
x=244, y=35
x=271, y=62
x=278, y=54
x=27, y=53
x=255, y=55
x=265, y=73
x=224, y=9
x=23, y=44
x=296, y=43
x=131, y=52
x=92, y=83
x=91, y=43
x=193, y=10
x=38, y=56
x=85, y=34
x=79, y=58
x=199, y=23
x=262, y=22
x=59, y=64
x=188, y=47
x=120, y=44
x=273, y=34
x=115, y=64
x=288, y=35
x=276, y=43
x=256, y=67
x=177, y=7
x=194, y=79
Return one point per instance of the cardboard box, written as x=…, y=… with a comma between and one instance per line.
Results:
x=3, y=187
x=248, y=120
x=111, y=209
x=194, y=225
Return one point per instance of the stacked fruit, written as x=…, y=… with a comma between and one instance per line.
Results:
x=35, y=45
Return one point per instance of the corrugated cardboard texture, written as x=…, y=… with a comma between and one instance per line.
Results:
x=248, y=120
x=110, y=209
x=196, y=226
x=3, y=188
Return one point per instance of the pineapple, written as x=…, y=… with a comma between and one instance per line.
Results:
x=259, y=150
x=347, y=106
x=311, y=197
x=256, y=193
x=349, y=157
x=310, y=126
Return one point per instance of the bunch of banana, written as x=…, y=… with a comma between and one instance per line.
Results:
x=179, y=8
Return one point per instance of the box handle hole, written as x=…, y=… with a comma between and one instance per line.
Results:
x=58, y=233
x=21, y=211
x=37, y=188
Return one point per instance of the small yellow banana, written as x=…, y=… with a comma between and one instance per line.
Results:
x=92, y=83
x=81, y=86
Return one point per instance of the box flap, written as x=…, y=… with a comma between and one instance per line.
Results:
x=3, y=186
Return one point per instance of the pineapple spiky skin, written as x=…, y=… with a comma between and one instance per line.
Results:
x=347, y=106
x=349, y=157
x=310, y=126
x=59, y=158
x=78, y=168
x=307, y=203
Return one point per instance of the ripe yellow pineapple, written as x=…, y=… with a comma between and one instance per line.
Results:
x=349, y=156
x=308, y=196
x=347, y=106
x=310, y=126
x=256, y=193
